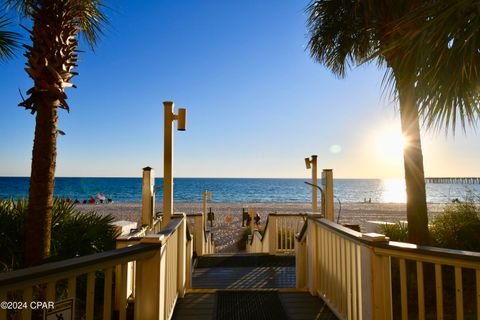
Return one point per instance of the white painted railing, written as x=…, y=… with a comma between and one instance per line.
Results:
x=363, y=276
x=279, y=234
x=202, y=239
x=159, y=274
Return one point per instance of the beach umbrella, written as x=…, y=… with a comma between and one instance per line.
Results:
x=101, y=197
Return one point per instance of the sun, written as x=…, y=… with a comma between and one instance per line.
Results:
x=389, y=144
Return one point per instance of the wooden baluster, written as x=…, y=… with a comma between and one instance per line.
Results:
x=123, y=291
x=348, y=253
x=90, y=295
x=421, y=292
x=3, y=311
x=403, y=289
x=27, y=297
x=477, y=274
x=439, y=290
x=107, y=295
x=459, y=292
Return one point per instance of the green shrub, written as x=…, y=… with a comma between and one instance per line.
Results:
x=73, y=233
x=458, y=227
x=396, y=232
x=12, y=234
x=242, y=242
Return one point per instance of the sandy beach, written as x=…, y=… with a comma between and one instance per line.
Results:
x=227, y=225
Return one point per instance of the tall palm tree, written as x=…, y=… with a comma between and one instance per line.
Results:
x=446, y=48
x=346, y=33
x=9, y=40
x=51, y=59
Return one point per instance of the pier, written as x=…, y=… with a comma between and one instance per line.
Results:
x=451, y=180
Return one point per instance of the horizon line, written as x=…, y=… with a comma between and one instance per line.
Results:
x=160, y=177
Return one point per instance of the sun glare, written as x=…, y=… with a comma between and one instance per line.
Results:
x=393, y=191
x=390, y=144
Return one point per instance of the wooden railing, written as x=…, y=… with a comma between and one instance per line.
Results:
x=363, y=276
x=279, y=234
x=160, y=268
x=202, y=239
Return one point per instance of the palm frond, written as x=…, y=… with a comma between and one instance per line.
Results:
x=445, y=46
x=9, y=40
x=91, y=20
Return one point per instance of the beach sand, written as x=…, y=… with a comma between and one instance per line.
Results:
x=227, y=227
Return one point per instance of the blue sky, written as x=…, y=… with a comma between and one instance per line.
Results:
x=257, y=104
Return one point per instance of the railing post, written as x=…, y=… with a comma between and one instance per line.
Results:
x=327, y=197
x=150, y=275
x=199, y=237
x=312, y=258
x=273, y=236
x=300, y=263
x=188, y=264
x=182, y=252
x=148, y=196
x=376, y=281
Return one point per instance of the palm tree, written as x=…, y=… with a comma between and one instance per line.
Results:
x=9, y=40
x=51, y=58
x=446, y=50
x=346, y=33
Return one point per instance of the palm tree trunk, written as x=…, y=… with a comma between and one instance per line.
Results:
x=42, y=180
x=413, y=163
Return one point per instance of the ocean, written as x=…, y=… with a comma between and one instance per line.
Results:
x=239, y=190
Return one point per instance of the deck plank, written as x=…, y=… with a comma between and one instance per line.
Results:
x=298, y=305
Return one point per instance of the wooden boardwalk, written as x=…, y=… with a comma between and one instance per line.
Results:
x=257, y=273
x=298, y=306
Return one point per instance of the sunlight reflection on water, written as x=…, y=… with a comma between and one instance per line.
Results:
x=393, y=190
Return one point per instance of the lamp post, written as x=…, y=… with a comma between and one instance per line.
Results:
x=311, y=163
x=168, y=156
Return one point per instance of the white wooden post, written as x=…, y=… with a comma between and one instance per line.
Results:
x=188, y=264
x=182, y=252
x=375, y=283
x=273, y=236
x=311, y=163
x=327, y=201
x=315, y=182
x=312, y=258
x=148, y=196
x=150, y=277
x=300, y=263
x=168, y=157
x=199, y=237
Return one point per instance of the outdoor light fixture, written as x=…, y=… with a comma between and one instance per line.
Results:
x=181, y=119
x=168, y=156
x=307, y=163
x=311, y=163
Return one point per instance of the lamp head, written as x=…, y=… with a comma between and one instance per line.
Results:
x=307, y=163
x=182, y=119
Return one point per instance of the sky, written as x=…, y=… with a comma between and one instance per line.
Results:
x=257, y=104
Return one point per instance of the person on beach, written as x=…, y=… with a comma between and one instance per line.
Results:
x=245, y=217
x=249, y=220
x=257, y=219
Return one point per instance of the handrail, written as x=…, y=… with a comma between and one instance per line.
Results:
x=355, y=274
x=58, y=270
x=412, y=249
x=153, y=270
x=302, y=233
x=399, y=246
x=279, y=232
